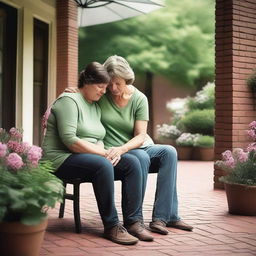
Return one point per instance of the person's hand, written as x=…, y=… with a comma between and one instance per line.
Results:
x=113, y=152
x=115, y=160
x=71, y=89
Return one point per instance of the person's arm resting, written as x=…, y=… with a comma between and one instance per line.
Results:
x=140, y=132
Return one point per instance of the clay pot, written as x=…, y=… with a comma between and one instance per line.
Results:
x=184, y=153
x=203, y=154
x=241, y=199
x=17, y=239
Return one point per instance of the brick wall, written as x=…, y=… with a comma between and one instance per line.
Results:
x=67, y=44
x=235, y=60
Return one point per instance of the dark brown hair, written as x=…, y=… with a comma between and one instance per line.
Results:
x=94, y=73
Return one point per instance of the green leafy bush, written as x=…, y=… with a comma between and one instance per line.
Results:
x=204, y=141
x=251, y=81
x=27, y=188
x=198, y=121
x=204, y=98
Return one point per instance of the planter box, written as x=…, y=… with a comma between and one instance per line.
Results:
x=184, y=153
x=203, y=154
x=241, y=199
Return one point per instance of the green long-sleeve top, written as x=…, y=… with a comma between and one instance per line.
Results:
x=72, y=118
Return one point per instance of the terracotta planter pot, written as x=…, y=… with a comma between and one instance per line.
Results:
x=184, y=153
x=241, y=199
x=17, y=239
x=203, y=154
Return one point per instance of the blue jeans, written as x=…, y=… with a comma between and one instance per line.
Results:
x=101, y=173
x=166, y=201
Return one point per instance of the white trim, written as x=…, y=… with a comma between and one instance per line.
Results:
x=27, y=11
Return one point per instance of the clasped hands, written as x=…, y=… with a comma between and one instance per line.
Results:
x=113, y=154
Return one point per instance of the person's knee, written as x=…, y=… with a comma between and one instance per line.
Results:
x=105, y=168
x=170, y=151
x=132, y=162
x=143, y=157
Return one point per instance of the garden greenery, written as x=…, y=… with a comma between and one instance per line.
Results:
x=27, y=188
x=240, y=164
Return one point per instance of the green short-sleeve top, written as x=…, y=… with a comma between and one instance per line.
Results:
x=72, y=118
x=119, y=121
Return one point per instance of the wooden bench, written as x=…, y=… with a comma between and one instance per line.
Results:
x=75, y=197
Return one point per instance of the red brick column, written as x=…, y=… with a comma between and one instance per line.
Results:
x=235, y=60
x=67, y=44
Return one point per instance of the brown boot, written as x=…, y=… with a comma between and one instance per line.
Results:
x=179, y=225
x=139, y=230
x=158, y=226
x=118, y=234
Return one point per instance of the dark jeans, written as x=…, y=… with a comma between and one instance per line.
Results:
x=101, y=173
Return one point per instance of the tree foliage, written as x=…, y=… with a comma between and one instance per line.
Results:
x=176, y=41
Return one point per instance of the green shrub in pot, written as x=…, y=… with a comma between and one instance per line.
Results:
x=204, y=141
x=198, y=121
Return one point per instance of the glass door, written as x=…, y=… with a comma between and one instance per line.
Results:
x=41, y=40
x=8, y=51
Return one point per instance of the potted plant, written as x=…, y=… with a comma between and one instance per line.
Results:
x=27, y=190
x=251, y=82
x=240, y=181
x=203, y=148
x=184, y=145
x=168, y=133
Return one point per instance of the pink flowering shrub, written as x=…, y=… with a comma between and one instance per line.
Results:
x=27, y=186
x=241, y=164
x=15, y=154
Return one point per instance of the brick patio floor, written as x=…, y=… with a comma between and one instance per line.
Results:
x=215, y=231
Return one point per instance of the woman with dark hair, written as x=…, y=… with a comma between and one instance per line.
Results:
x=74, y=143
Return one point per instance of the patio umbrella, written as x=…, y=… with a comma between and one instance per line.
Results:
x=93, y=12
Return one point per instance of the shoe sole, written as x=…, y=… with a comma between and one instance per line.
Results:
x=157, y=230
x=121, y=242
x=145, y=240
x=180, y=227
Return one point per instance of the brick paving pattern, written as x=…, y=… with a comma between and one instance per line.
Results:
x=216, y=232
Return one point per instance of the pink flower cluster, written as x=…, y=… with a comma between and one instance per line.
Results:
x=14, y=161
x=15, y=154
x=18, y=147
x=15, y=133
x=230, y=159
x=238, y=155
x=34, y=154
x=3, y=149
x=252, y=131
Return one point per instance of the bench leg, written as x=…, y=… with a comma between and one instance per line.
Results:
x=76, y=208
x=62, y=205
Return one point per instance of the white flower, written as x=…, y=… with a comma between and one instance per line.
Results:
x=168, y=131
x=177, y=106
x=205, y=94
x=187, y=139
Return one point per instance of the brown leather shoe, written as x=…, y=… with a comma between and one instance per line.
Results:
x=118, y=234
x=158, y=226
x=139, y=230
x=179, y=225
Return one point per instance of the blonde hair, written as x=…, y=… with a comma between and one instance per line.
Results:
x=117, y=66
